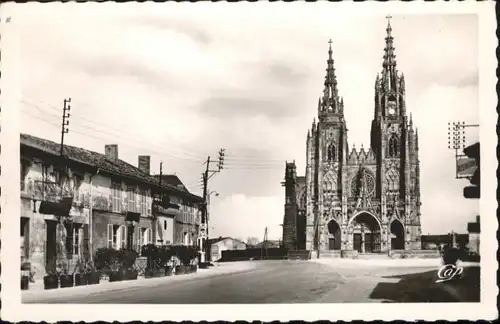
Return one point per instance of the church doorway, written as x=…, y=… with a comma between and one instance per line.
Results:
x=334, y=236
x=397, y=235
x=366, y=233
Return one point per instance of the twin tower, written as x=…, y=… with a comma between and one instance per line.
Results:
x=368, y=200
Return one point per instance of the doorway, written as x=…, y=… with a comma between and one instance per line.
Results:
x=357, y=242
x=51, y=246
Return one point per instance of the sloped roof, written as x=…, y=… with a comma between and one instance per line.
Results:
x=90, y=158
x=173, y=180
x=219, y=239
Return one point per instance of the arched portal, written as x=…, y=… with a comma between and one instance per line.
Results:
x=397, y=235
x=334, y=236
x=366, y=233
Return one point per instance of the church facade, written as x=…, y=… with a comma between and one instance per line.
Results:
x=365, y=200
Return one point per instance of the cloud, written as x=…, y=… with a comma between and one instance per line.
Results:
x=196, y=33
x=181, y=81
x=256, y=213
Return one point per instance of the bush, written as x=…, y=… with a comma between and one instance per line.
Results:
x=106, y=259
x=164, y=256
x=127, y=258
x=151, y=252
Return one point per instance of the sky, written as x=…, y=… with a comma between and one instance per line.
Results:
x=180, y=81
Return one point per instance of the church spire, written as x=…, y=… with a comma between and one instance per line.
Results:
x=389, y=64
x=330, y=95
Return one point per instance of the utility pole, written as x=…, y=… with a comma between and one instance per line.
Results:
x=206, y=176
x=264, y=246
x=65, y=122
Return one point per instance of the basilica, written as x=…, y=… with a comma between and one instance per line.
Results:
x=365, y=200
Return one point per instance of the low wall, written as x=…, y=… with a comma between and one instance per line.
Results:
x=415, y=254
x=254, y=254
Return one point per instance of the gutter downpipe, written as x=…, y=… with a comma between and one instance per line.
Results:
x=91, y=223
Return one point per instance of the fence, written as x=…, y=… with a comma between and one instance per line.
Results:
x=255, y=254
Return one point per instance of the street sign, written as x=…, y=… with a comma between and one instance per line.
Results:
x=466, y=167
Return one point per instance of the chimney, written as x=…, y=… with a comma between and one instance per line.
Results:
x=145, y=163
x=111, y=152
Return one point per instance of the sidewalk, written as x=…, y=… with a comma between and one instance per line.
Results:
x=36, y=293
x=339, y=262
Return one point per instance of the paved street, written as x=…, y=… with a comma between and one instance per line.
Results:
x=279, y=282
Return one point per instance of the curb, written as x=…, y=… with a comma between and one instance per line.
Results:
x=37, y=296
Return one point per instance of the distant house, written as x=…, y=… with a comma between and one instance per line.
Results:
x=216, y=246
x=268, y=244
x=184, y=214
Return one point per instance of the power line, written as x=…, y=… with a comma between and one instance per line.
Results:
x=250, y=161
x=102, y=138
x=120, y=132
x=198, y=148
x=142, y=147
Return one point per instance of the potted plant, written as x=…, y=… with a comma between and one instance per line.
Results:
x=151, y=252
x=25, y=275
x=65, y=278
x=127, y=260
x=106, y=261
x=164, y=257
x=51, y=280
x=79, y=273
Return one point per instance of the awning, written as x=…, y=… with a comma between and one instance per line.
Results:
x=60, y=208
x=132, y=217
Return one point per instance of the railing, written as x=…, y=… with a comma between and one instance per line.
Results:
x=45, y=190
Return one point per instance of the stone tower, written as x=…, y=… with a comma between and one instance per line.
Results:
x=366, y=200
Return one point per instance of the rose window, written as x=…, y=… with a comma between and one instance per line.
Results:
x=363, y=182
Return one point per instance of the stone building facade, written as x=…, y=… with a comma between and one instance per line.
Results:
x=365, y=200
x=85, y=200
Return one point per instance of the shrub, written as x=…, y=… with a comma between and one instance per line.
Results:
x=151, y=252
x=126, y=258
x=164, y=255
x=106, y=259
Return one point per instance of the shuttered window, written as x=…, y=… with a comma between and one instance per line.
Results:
x=131, y=199
x=116, y=194
x=123, y=237
x=111, y=236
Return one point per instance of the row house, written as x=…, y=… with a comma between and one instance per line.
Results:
x=184, y=215
x=83, y=200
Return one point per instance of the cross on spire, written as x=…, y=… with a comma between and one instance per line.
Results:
x=330, y=41
x=388, y=17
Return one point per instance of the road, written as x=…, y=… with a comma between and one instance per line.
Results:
x=279, y=282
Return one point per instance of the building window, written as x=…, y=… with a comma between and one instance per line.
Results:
x=393, y=146
x=165, y=225
x=77, y=182
x=74, y=236
x=117, y=236
x=144, y=203
x=116, y=197
x=147, y=236
x=131, y=198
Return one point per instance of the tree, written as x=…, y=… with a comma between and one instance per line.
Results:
x=252, y=241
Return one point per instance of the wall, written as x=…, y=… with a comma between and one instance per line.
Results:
x=100, y=223
x=168, y=234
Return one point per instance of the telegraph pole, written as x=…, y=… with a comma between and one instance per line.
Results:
x=206, y=176
x=65, y=122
